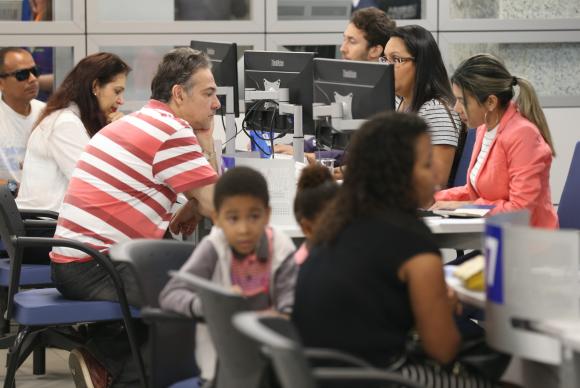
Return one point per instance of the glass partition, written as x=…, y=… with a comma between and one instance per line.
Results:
x=332, y=15
x=144, y=52
x=54, y=55
x=549, y=60
x=175, y=16
x=326, y=45
x=472, y=15
x=42, y=16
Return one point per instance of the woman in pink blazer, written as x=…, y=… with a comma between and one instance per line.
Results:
x=512, y=155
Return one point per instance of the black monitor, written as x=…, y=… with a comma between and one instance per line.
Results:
x=224, y=59
x=370, y=86
x=364, y=88
x=293, y=70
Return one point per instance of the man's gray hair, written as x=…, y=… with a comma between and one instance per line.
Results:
x=176, y=68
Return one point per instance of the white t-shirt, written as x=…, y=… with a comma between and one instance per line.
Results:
x=54, y=148
x=14, y=132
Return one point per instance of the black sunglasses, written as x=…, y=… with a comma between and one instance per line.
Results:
x=22, y=75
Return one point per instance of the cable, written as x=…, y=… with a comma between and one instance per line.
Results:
x=248, y=117
x=224, y=126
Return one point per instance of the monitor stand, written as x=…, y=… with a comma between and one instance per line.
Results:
x=284, y=108
x=230, y=118
x=336, y=112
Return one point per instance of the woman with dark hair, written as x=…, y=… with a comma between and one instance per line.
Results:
x=85, y=102
x=374, y=272
x=422, y=87
x=513, y=151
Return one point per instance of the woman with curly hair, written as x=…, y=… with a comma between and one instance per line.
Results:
x=374, y=272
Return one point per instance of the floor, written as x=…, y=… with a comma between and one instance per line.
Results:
x=57, y=373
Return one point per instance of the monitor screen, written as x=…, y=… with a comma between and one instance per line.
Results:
x=224, y=59
x=281, y=69
x=363, y=88
x=367, y=87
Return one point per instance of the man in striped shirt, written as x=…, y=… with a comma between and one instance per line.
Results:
x=130, y=173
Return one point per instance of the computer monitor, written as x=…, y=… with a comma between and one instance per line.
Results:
x=362, y=88
x=224, y=59
x=370, y=86
x=264, y=70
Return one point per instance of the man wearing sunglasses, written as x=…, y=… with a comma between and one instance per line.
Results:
x=19, y=110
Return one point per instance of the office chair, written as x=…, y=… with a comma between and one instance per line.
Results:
x=290, y=362
x=32, y=275
x=569, y=208
x=459, y=174
x=39, y=312
x=240, y=360
x=171, y=341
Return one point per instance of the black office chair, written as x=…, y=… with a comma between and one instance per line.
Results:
x=41, y=313
x=461, y=163
x=240, y=360
x=569, y=207
x=291, y=364
x=170, y=352
x=31, y=275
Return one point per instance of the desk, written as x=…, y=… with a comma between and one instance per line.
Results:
x=566, y=331
x=455, y=233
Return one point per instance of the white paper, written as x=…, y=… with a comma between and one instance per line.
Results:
x=280, y=175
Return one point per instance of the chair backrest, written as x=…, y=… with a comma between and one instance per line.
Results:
x=151, y=261
x=11, y=224
x=240, y=362
x=290, y=364
x=171, y=344
x=460, y=177
x=569, y=208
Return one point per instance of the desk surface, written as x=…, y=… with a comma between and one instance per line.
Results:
x=437, y=225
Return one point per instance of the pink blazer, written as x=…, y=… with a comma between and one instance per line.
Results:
x=515, y=174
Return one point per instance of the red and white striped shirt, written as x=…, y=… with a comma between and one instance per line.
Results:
x=128, y=178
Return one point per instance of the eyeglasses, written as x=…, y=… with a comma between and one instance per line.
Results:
x=395, y=60
x=22, y=75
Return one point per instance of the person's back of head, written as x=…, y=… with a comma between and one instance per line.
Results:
x=316, y=187
x=79, y=87
x=241, y=181
x=379, y=173
x=375, y=26
x=484, y=75
x=431, y=79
